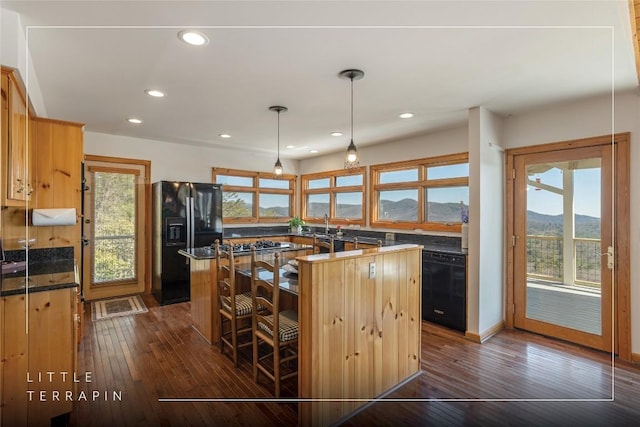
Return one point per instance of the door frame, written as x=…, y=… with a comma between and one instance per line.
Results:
x=146, y=164
x=621, y=238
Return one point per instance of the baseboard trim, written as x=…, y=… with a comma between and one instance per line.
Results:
x=635, y=358
x=485, y=335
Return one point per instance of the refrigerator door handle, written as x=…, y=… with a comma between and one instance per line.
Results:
x=188, y=215
x=192, y=230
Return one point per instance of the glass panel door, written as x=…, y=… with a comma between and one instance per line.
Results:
x=563, y=210
x=114, y=212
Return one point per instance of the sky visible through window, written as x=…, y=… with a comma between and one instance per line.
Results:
x=586, y=194
x=586, y=191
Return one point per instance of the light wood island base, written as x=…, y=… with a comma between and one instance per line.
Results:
x=359, y=332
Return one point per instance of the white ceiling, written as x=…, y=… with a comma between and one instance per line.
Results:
x=436, y=59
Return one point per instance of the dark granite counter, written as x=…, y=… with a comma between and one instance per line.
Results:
x=447, y=244
x=40, y=277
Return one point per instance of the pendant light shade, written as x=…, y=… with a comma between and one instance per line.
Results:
x=352, y=160
x=277, y=168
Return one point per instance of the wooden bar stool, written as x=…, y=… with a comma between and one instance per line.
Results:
x=319, y=244
x=276, y=329
x=235, y=310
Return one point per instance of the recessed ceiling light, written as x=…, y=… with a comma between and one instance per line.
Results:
x=224, y=135
x=195, y=38
x=337, y=133
x=290, y=146
x=155, y=93
x=313, y=151
x=406, y=115
x=134, y=120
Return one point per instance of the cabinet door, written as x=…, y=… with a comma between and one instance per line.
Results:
x=19, y=187
x=57, y=177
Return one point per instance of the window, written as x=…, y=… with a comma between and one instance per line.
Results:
x=338, y=194
x=424, y=193
x=255, y=196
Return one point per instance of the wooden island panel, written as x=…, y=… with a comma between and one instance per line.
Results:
x=203, y=312
x=359, y=335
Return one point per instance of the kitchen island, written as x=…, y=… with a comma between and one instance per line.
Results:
x=359, y=323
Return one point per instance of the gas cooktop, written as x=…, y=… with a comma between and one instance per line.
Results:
x=246, y=247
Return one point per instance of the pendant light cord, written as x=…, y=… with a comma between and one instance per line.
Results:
x=351, y=108
x=278, y=134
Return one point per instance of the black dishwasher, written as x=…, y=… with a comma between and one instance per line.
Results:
x=444, y=289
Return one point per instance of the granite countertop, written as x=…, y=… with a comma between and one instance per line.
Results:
x=41, y=276
x=433, y=247
x=430, y=243
x=207, y=252
x=450, y=249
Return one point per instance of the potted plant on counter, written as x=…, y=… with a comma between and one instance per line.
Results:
x=295, y=225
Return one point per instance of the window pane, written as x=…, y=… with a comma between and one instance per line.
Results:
x=240, y=181
x=448, y=171
x=235, y=205
x=349, y=205
x=317, y=205
x=274, y=205
x=114, y=222
x=398, y=205
x=405, y=175
x=274, y=183
x=318, y=183
x=344, y=181
x=443, y=204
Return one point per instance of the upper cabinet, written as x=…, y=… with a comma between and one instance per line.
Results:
x=16, y=178
x=57, y=163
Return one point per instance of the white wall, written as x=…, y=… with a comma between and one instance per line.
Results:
x=14, y=54
x=416, y=147
x=486, y=223
x=179, y=162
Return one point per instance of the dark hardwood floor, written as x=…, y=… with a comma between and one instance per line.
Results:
x=515, y=378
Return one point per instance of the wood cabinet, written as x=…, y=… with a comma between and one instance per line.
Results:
x=49, y=346
x=58, y=147
x=17, y=185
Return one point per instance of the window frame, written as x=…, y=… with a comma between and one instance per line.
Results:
x=256, y=191
x=332, y=190
x=422, y=184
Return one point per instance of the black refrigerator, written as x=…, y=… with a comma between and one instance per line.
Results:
x=185, y=215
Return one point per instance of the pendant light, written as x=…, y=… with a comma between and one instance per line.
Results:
x=277, y=168
x=351, y=160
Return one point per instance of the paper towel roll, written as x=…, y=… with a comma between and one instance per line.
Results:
x=46, y=217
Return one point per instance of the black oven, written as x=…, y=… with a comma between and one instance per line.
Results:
x=444, y=289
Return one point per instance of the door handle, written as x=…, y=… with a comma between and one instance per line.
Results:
x=85, y=241
x=609, y=255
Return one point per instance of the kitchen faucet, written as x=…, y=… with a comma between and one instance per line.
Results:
x=326, y=223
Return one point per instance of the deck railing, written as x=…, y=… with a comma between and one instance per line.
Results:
x=545, y=260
